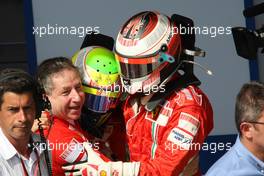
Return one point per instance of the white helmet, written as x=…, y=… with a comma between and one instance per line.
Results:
x=147, y=48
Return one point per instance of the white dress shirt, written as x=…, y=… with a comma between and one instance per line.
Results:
x=11, y=164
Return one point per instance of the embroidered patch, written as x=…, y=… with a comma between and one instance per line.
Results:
x=179, y=99
x=162, y=120
x=72, y=151
x=180, y=138
x=104, y=169
x=116, y=168
x=189, y=123
x=187, y=94
x=198, y=97
x=164, y=114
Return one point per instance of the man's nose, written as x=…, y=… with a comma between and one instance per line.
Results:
x=76, y=95
x=22, y=116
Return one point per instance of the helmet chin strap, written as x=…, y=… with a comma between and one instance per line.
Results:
x=145, y=99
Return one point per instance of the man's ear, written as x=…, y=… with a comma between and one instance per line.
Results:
x=246, y=130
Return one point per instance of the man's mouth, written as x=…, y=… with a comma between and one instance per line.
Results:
x=21, y=126
x=75, y=108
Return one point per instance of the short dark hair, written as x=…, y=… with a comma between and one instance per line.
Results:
x=249, y=103
x=17, y=81
x=51, y=66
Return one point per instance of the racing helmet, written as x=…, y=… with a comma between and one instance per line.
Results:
x=148, y=48
x=101, y=82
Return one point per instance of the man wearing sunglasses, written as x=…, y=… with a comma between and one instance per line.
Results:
x=246, y=157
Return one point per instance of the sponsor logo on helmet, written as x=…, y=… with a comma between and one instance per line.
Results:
x=136, y=29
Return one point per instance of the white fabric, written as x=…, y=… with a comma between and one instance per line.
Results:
x=10, y=159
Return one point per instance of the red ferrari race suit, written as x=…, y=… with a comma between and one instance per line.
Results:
x=166, y=140
x=65, y=140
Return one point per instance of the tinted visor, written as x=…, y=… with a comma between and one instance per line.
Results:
x=133, y=71
x=99, y=104
x=138, y=67
x=100, y=100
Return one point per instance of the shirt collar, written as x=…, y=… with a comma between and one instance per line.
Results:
x=7, y=149
x=242, y=151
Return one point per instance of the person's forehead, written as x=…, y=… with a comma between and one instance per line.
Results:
x=13, y=98
x=65, y=73
x=65, y=77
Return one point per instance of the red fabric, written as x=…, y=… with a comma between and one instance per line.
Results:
x=180, y=105
x=61, y=134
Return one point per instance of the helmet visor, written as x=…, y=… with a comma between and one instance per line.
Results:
x=100, y=100
x=132, y=71
x=132, y=68
x=99, y=104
